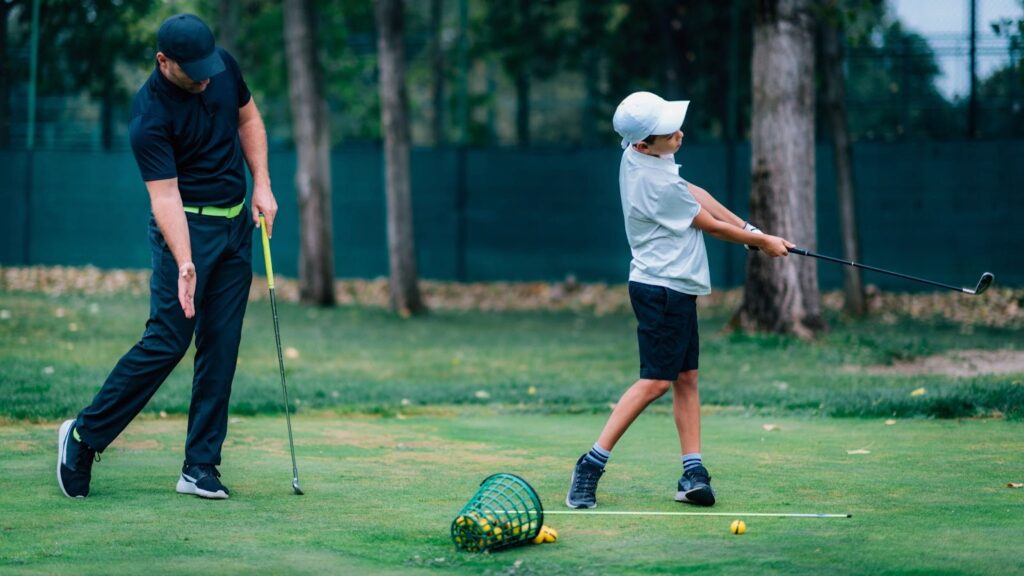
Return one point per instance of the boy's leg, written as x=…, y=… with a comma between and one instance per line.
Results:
x=686, y=410
x=694, y=486
x=634, y=401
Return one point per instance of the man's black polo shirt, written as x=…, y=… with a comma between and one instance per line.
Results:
x=193, y=137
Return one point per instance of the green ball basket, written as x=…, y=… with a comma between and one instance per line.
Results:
x=504, y=512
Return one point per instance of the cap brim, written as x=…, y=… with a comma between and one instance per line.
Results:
x=672, y=116
x=204, y=68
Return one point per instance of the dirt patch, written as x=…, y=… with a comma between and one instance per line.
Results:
x=959, y=364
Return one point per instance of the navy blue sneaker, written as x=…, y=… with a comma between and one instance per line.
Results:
x=695, y=487
x=74, y=461
x=203, y=480
x=583, y=488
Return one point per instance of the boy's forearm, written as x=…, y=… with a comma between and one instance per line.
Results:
x=722, y=230
x=714, y=207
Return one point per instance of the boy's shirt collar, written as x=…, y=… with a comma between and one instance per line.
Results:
x=666, y=163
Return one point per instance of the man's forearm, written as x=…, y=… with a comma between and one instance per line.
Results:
x=170, y=218
x=714, y=207
x=253, y=136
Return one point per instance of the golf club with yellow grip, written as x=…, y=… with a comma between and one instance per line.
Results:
x=280, y=358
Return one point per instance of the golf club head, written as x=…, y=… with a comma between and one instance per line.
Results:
x=986, y=280
x=295, y=487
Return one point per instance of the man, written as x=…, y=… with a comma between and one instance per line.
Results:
x=192, y=122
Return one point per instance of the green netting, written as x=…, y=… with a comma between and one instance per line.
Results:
x=504, y=512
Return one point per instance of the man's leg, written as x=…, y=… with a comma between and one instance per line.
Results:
x=134, y=379
x=140, y=372
x=218, y=334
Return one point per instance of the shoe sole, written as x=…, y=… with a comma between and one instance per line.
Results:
x=186, y=487
x=570, y=504
x=62, y=434
x=698, y=496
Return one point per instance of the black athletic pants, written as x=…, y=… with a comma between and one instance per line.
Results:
x=222, y=254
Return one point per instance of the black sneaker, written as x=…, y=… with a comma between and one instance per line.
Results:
x=583, y=488
x=203, y=480
x=695, y=487
x=74, y=462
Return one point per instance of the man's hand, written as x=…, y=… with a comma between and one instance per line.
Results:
x=774, y=246
x=187, y=288
x=263, y=202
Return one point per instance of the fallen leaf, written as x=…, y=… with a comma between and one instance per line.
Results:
x=1015, y=485
x=858, y=451
x=890, y=422
x=919, y=392
x=772, y=427
x=532, y=390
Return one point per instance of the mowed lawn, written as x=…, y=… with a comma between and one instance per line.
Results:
x=927, y=497
x=398, y=421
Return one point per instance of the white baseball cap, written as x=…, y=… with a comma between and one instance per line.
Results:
x=642, y=114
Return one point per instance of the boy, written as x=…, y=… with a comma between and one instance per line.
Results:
x=664, y=218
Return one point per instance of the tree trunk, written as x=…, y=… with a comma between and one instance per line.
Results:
x=835, y=97
x=107, y=117
x=522, y=79
x=227, y=25
x=592, y=20
x=403, y=283
x=437, y=67
x=5, y=99
x=781, y=294
x=312, y=141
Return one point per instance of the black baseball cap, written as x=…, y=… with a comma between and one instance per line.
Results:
x=188, y=41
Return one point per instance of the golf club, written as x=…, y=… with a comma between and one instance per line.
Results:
x=983, y=283
x=736, y=514
x=280, y=358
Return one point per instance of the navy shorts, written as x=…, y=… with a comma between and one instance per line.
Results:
x=666, y=330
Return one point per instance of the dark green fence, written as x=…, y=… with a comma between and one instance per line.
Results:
x=943, y=210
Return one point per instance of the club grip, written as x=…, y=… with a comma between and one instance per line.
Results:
x=266, y=253
x=796, y=250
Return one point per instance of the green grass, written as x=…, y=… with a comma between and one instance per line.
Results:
x=930, y=497
x=393, y=436
x=367, y=360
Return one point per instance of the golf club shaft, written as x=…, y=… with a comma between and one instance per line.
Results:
x=280, y=357
x=803, y=252
x=734, y=514
x=284, y=386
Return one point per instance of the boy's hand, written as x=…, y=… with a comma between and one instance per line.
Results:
x=774, y=246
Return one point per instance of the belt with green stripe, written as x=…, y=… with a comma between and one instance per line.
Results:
x=216, y=210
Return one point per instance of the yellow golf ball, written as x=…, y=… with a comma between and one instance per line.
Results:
x=738, y=527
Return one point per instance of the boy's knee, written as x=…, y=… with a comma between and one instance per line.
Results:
x=687, y=379
x=655, y=388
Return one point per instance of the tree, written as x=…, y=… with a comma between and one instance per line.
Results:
x=394, y=111
x=832, y=39
x=81, y=47
x=311, y=126
x=5, y=78
x=781, y=294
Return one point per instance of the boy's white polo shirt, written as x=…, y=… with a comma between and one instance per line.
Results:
x=659, y=211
